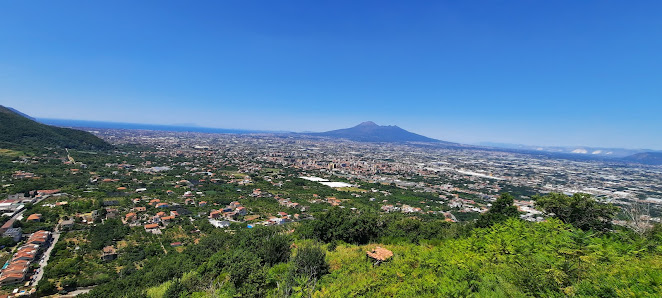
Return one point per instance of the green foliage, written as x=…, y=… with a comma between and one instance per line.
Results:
x=18, y=130
x=104, y=234
x=510, y=259
x=310, y=261
x=501, y=210
x=233, y=263
x=45, y=288
x=345, y=225
x=580, y=210
x=6, y=241
x=176, y=290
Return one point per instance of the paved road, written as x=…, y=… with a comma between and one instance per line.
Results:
x=44, y=261
x=10, y=222
x=78, y=292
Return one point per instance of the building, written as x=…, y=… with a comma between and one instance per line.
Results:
x=13, y=233
x=39, y=238
x=11, y=278
x=66, y=224
x=131, y=216
x=109, y=253
x=34, y=217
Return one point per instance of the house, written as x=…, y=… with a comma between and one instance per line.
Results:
x=139, y=209
x=131, y=216
x=215, y=214
x=11, y=278
x=275, y=221
x=242, y=210
x=219, y=223
x=66, y=224
x=25, y=255
x=189, y=202
x=34, y=217
x=39, y=238
x=94, y=215
x=176, y=244
x=13, y=233
x=230, y=215
x=162, y=205
x=167, y=219
x=45, y=192
x=151, y=226
x=17, y=267
x=111, y=213
x=153, y=202
x=202, y=204
x=109, y=253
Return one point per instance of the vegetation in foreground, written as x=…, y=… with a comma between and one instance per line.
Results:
x=507, y=257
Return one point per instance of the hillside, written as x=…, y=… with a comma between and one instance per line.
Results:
x=511, y=259
x=18, y=130
x=648, y=158
x=371, y=132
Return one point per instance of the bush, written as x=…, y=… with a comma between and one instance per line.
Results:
x=310, y=261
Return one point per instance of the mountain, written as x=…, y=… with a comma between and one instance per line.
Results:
x=371, y=132
x=18, y=129
x=20, y=114
x=648, y=158
x=577, y=150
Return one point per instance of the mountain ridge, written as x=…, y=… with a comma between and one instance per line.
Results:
x=647, y=158
x=18, y=129
x=369, y=131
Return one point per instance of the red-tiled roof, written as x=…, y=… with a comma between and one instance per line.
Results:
x=151, y=226
x=34, y=217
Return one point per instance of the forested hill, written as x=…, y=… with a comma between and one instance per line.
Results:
x=17, y=130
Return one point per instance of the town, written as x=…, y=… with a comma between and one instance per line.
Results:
x=161, y=191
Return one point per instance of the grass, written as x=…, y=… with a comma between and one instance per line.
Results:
x=351, y=189
x=11, y=153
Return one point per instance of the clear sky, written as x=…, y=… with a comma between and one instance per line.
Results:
x=529, y=72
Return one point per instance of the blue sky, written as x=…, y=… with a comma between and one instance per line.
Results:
x=530, y=72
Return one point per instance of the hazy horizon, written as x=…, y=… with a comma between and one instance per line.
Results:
x=561, y=73
x=58, y=121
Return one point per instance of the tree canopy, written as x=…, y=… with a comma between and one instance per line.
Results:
x=580, y=210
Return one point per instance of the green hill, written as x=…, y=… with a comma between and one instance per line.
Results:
x=18, y=131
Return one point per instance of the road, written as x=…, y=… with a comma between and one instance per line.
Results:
x=10, y=222
x=44, y=261
x=78, y=292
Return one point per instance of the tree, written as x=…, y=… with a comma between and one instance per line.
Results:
x=501, y=210
x=310, y=261
x=308, y=265
x=580, y=210
x=638, y=217
x=45, y=288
